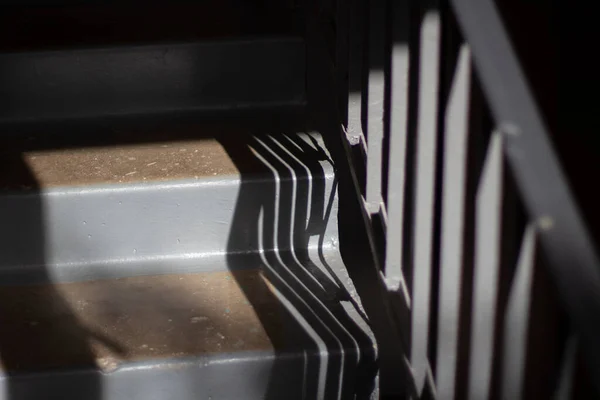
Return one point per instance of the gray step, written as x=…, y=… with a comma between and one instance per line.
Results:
x=147, y=79
x=177, y=269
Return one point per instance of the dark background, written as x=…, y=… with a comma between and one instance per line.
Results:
x=557, y=42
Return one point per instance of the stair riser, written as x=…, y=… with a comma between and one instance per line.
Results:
x=228, y=376
x=111, y=231
x=151, y=79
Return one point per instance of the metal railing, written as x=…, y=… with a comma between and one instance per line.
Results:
x=491, y=280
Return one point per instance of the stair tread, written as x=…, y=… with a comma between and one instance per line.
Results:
x=103, y=323
x=187, y=151
x=199, y=158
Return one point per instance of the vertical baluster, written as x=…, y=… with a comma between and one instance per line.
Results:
x=487, y=264
x=397, y=142
x=452, y=234
x=564, y=388
x=517, y=320
x=356, y=68
x=376, y=101
x=547, y=330
x=424, y=191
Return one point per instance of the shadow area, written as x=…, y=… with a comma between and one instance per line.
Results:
x=30, y=341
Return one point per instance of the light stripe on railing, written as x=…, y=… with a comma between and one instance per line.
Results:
x=376, y=102
x=487, y=263
x=564, y=390
x=424, y=194
x=356, y=42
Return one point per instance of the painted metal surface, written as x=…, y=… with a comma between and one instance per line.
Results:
x=473, y=305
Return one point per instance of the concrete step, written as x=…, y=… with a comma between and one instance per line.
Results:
x=112, y=211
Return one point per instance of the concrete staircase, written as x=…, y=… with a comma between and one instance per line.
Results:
x=168, y=216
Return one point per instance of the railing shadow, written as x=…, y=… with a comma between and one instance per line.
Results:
x=274, y=228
